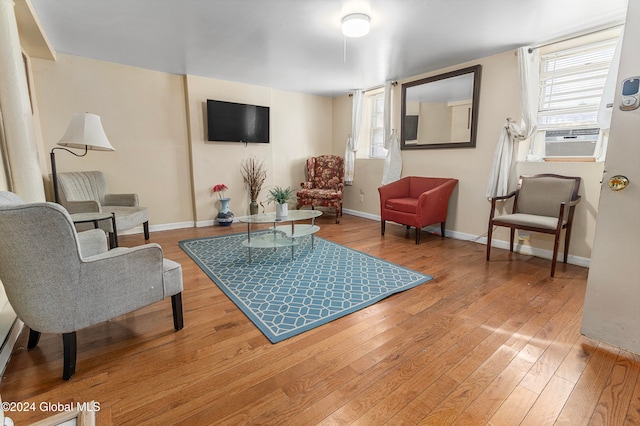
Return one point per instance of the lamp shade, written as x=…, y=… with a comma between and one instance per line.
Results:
x=85, y=131
x=355, y=25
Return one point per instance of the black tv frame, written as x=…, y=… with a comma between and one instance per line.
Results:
x=237, y=122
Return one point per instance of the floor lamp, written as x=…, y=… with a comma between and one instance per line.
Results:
x=84, y=132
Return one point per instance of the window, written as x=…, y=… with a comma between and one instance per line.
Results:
x=571, y=84
x=372, y=129
x=572, y=81
x=377, y=127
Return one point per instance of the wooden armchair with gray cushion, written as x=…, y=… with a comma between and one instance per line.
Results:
x=87, y=192
x=542, y=203
x=61, y=281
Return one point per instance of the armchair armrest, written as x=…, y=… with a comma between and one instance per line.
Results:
x=306, y=185
x=434, y=203
x=89, y=206
x=499, y=198
x=92, y=242
x=503, y=197
x=106, y=289
x=127, y=200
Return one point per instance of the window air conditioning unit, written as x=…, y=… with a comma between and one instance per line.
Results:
x=571, y=142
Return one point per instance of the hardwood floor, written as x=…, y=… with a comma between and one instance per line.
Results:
x=482, y=343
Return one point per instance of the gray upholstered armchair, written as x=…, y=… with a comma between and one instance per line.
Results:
x=85, y=192
x=60, y=281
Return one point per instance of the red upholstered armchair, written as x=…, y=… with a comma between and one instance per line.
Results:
x=324, y=185
x=416, y=201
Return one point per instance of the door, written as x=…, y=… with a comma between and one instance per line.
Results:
x=612, y=302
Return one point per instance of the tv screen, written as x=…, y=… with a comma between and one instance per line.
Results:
x=233, y=122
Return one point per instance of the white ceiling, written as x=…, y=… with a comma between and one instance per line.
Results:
x=297, y=45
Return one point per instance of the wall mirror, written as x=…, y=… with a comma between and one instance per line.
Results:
x=441, y=111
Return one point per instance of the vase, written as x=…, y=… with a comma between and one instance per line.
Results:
x=253, y=207
x=282, y=210
x=225, y=216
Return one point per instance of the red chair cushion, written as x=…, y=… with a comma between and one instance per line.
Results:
x=406, y=205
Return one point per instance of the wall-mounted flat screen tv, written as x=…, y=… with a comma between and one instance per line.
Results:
x=234, y=122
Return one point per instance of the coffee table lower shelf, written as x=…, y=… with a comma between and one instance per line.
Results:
x=280, y=236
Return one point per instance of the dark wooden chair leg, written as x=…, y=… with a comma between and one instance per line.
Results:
x=489, y=235
x=382, y=226
x=511, y=239
x=567, y=240
x=112, y=240
x=145, y=226
x=442, y=229
x=34, y=338
x=176, y=306
x=556, y=243
x=70, y=351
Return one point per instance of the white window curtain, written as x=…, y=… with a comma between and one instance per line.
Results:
x=353, y=141
x=393, y=160
x=504, y=158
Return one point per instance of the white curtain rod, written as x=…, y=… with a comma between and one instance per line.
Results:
x=531, y=49
x=380, y=86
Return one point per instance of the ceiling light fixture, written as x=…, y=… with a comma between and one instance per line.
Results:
x=355, y=25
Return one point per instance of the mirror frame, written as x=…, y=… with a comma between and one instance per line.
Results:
x=475, y=103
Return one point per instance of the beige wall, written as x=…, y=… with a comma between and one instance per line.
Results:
x=161, y=148
x=468, y=208
x=300, y=126
x=146, y=117
x=143, y=114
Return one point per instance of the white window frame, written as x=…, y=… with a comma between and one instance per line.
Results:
x=369, y=128
x=566, y=107
x=376, y=148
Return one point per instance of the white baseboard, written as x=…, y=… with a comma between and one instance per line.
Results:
x=518, y=248
x=161, y=227
x=362, y=214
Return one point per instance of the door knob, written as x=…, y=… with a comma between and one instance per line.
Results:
x=618, y=182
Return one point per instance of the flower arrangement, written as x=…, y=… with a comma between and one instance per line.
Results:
x=219, y=189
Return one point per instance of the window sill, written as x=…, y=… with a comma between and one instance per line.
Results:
x=570, y=159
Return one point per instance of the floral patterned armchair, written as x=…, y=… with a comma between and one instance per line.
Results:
x=324, y=185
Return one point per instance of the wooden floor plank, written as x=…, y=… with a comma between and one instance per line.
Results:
x=514, y=408
x=583, y=400
x=549, y=403
x=484, y=342
x=614, y=403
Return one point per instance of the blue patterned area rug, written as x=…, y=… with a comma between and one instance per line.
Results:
x=285, y=297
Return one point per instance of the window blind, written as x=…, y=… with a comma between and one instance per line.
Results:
x=571, y=84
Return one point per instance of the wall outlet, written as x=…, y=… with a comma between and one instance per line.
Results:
x=362, y=198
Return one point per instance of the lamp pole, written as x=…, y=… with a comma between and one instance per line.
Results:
x=54, y=174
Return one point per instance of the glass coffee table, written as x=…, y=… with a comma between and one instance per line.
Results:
x=285, y=231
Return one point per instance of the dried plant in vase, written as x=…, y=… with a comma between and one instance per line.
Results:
x=254, y=175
